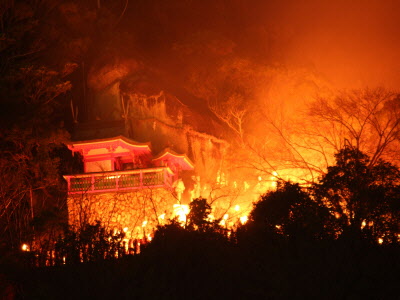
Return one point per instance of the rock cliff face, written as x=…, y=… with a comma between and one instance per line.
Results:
x=146, y=110
x=165, y=121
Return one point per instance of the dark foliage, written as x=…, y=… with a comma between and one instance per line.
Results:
x=90, y=243
x=289, y=213
x=199, y=211
x=32, y=137
x=364, y=198
x=183, y=263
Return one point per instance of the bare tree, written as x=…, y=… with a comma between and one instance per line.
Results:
x=29, y=143
x=301, y=147
x=365, y=119
x=232, y=112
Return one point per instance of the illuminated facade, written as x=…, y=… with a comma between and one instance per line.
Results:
x=124, y=186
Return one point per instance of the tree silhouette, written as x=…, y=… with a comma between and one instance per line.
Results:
x=363, y=197
x=290, y=212
x=199, y=211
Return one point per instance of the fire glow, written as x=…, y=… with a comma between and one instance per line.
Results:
x=181, y=211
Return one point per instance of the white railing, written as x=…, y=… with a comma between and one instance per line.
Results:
x=119, y=180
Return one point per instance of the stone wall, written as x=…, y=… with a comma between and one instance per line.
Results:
x=136, y=212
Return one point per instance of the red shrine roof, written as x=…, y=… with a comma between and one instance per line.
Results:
x=105, y=156
x=111, y=143
x=181, y=159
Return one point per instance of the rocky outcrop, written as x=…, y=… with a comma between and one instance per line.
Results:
x=140, y=105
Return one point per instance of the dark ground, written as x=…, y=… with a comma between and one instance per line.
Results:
x=216, y=270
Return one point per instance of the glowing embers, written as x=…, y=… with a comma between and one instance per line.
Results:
x=384, y=239
x=363, y=224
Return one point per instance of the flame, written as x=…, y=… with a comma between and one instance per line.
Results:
x=181, y=211
x=25, y=247
x=210, y=218
x=243, y=219
x=363, y=224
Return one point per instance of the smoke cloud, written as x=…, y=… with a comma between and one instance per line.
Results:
x=348, y=43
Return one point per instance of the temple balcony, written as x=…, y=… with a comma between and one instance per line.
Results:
x=113, y=181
